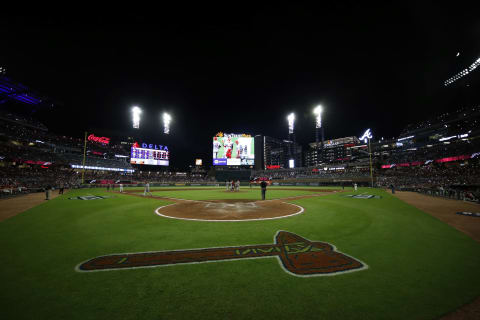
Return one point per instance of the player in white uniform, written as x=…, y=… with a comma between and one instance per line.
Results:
x=239, y=150
x=147, y=189
x=216, y=147
x=243, y=149
x=121, y=187
x=355, y=186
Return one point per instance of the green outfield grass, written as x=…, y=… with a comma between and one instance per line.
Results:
x=419, y=267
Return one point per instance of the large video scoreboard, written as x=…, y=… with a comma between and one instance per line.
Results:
x=233, y=150
x=150, y=154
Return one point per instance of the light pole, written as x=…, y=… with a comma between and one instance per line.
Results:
x=291, y=137
x=318, y=129
x=367, y=135
x=136, y=111
x=166, y=123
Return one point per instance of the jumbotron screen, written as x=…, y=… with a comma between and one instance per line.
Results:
x=233, y=150
x=149, y=156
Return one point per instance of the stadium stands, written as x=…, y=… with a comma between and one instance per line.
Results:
x=442, y=152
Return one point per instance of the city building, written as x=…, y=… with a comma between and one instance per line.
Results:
x=273, y=153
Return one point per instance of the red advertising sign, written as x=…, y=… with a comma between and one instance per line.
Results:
x=464, y=157
x=273, y=167
x=43, y=163
x=102, y=140
x=404, y=164
x=418, y=163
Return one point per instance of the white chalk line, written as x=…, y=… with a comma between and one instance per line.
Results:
x=300, y=211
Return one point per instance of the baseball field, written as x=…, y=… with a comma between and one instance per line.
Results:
x=205, y=253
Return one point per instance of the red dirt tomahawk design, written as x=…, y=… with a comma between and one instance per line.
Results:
x=297, y=255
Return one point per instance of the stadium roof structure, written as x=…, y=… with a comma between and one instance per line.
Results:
x=11, y=90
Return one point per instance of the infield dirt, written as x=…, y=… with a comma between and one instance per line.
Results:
x=13, y=206
x=445, y=210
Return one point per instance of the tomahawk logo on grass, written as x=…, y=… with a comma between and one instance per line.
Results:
x=297, y=256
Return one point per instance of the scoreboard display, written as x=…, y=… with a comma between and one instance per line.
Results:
x=150, y=156
x=233, y=150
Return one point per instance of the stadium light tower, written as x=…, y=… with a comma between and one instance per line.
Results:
x=291, y=120
x=291, y=137
x=366, y=137
x=166, y=123
x=136, y=111
x=318, y=128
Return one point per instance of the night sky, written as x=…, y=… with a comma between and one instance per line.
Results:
x=242, y=70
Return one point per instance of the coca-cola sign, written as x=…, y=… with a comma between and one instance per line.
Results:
x=102, y=140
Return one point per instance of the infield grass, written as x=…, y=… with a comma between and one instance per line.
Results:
x=418, y=267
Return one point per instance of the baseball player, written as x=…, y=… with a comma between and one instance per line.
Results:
x=147, y=189
x=121, y=187
x=216, y=147
x=355, y=186
x=228, y=146
x=239, y=149
x=243, y=149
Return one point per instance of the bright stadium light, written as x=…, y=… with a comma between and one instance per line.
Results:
x=291, y=120
x=166, y=123
x=463, y=73
x=136, y=111
x=318, y=112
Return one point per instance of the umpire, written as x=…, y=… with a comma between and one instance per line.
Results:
x=263, y=185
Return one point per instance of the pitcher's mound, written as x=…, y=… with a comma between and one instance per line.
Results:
x=229, y=210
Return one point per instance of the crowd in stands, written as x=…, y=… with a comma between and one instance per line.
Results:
x=434, y=152
x=23, y=120
x=14, y=180
x=32, y=158
x=31, y=178
x=432, y=175
x=342, y=172
x=463, y=114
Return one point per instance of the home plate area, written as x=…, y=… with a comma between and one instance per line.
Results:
x=229, y=210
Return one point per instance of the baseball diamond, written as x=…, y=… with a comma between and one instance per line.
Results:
x=162, y=260
x=146, y=162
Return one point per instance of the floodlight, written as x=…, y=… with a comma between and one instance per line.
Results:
x=136, y=111
x=291, y=120
x=318, y=111
x=166, y=123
